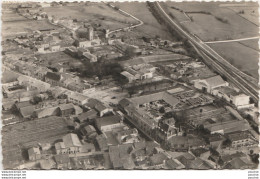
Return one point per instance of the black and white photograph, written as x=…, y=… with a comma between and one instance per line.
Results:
x=151, y=85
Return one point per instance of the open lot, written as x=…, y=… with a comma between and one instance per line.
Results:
x=93, y=12
x=244, y=58
x=150, y=27
x=18, y=137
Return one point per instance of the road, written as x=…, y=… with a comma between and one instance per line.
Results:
x=126, y=28
x=242, y=80
x=234, y=40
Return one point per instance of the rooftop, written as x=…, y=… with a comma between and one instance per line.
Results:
x=71, y=140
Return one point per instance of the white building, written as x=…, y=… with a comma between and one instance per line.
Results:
x=209, y=84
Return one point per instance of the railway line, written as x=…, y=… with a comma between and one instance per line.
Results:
x=241, y=80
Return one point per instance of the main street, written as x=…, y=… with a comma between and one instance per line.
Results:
x=242, y=80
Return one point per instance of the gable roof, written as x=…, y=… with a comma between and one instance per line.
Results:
x=100, y=107
x=27, y=111
x=62, y=158
x=66, y=106
x=215, y=81
x=71, y=140
x=158, y=159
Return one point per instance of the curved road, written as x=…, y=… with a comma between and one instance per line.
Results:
x=126, y=28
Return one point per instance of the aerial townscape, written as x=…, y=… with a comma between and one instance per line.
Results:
x=130, y=86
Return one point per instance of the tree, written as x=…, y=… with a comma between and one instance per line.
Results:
x=162, y=110
x=227, y=143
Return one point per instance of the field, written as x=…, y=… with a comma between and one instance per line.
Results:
x=11, y=16
x=253, y=44
x=8, y=76
x=150, y=27
x=222, y=21
x=208, y=27
x=13, y=28
x=94, y=12
x=18, y=137
x=244, y=58
x=249, y=13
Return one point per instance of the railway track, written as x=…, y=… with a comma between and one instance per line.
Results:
x=215, y=60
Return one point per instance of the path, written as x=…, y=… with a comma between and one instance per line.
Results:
x=234, y=40
x=126, y=28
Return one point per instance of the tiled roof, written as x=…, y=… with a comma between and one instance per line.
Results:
x=71, y=140
x=215, y=81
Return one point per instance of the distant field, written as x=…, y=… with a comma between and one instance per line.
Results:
x=244, y=58
x=11, y=16
x=207, y=27
x=19, y=27
x=150, y=27
x=249, y=13
x=95, y=12
x=17, y=137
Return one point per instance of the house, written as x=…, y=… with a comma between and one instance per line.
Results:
x=89, y=115
x=166, y=129
x=240, y=163
x=34, y=153
x=241, y=101
x=158, y=160
x=92, y=58
x=184, y=143
x=77, y=98
x=241, y=138
x=186, y=159
x=47, y=164
x=60, y=148
x=174, y=164
x=89, y=131
x=209, y=84
x=71, y=144
x=108, y=123
x=120, y=156
x=66, y=109
x=62, y=161
x=129, y=76
x=82, y=43
x=49, y=111
x=102, y=142
x=102, y=109
x=87, y=148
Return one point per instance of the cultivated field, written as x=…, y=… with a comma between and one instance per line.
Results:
x=11, y=16
x=251, y=44
x=150, y=27
x=93, y=12
x=244, y=58
x=18, y=137
x=223, y=21
x=208, y=27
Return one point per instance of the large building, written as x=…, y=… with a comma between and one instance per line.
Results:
x=146, y=111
